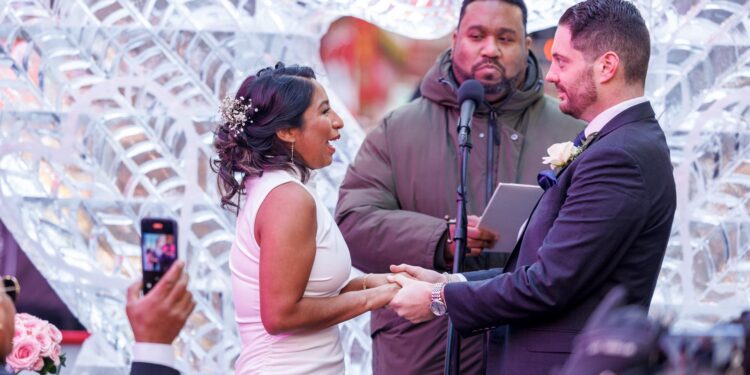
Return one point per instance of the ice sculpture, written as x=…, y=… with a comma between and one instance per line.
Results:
x=700, y=80
x=106, y=111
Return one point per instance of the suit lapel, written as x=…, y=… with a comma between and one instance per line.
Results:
x=635, y=113
x=586, y=145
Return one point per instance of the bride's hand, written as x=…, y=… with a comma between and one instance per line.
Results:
x=382, y=295
x=389, y=277
x=419, y=273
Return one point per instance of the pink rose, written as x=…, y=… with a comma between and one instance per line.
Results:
x=34, y=340
x=23, y=316
x=20, y=326
x=54, y=333
x=25, y=354
x=28, y=323
x=18, y=333
x=42, y=336
x=55, y=355
x=38, y=365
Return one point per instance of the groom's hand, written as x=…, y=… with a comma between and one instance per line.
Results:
x=412, y=302
x=420, y=273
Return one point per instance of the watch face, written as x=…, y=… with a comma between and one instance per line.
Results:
x=438, y=308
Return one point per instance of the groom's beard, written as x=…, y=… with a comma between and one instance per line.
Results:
x=496, y=90
x=580, y=95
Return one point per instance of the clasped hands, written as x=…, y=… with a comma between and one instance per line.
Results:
x=412, y=300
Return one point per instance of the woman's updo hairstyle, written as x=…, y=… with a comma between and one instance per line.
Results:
x=246, y=143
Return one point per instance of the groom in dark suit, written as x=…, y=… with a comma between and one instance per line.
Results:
x=604, y=219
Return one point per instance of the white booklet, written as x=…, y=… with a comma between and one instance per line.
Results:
x=507, y=212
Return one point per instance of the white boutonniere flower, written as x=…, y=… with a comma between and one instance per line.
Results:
x=560, y=155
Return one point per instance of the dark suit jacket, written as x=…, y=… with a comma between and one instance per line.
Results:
x=606, y=222
x=140, y=368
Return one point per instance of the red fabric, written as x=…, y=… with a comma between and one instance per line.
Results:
x=74, y=337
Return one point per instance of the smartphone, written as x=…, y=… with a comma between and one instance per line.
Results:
x=158, y=249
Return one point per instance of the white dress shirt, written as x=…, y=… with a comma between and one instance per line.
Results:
x=158, y=354
x=608, y=114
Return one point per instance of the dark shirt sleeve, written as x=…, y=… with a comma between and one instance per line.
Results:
x=142, y=368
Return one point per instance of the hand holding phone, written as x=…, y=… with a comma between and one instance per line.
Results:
x=160, y=316
x=158, y=249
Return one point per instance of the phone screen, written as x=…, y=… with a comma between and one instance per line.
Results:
x=158, y=249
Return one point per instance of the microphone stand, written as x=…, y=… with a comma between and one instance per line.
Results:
x=493, y=139
x=452, y=357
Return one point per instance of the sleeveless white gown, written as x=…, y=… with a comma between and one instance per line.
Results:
x=317, y=352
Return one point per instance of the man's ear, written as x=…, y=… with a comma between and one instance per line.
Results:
x=288, y=135
x=606, y=66
x=528, y=43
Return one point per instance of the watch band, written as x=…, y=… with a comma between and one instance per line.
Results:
x=437, y=291
x=437, y=305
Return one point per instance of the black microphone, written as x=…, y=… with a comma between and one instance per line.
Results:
x=470, y=94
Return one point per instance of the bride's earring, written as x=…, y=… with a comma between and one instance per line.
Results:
x=291, y=158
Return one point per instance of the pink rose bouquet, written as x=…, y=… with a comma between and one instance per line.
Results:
x=36, y=346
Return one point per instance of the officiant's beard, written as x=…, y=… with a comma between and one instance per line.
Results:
x=492, y=90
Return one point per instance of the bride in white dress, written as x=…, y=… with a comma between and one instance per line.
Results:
x=290, y=265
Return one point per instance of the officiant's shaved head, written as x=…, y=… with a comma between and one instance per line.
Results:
x=519, y=3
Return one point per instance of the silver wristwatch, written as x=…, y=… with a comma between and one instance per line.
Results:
x=437, y=306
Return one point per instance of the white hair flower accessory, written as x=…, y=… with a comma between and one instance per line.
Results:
x=234, y=113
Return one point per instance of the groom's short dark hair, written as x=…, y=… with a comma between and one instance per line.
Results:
x=598, y=26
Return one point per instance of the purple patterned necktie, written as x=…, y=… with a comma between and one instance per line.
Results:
x=578, y=141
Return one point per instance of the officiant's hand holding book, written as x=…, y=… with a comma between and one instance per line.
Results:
x=477, y=238
x=507, y=212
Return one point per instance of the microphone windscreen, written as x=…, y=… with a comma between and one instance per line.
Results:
x=471, y=90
